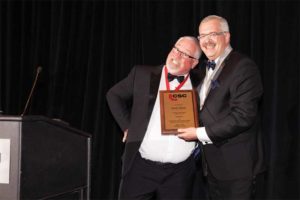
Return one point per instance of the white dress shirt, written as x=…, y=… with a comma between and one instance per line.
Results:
x=164, y=148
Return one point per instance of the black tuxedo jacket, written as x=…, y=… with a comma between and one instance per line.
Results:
x=231, y=119
x=131, y=102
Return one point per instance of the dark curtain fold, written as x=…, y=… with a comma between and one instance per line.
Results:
x=85, y=47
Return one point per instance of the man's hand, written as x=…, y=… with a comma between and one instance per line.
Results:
x=125, y=136
x=187, y=134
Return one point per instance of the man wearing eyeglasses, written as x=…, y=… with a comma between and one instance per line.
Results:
x=155, y=166
x=229, y=130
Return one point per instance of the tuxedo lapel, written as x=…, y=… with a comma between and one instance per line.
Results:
x=196, y=76
x=153, y=89
x=215, y=82
x=216, y=76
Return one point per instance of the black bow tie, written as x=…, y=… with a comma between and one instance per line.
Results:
x=171, y=77
x=211, y=64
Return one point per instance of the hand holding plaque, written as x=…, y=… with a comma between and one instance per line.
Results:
x=178, y=109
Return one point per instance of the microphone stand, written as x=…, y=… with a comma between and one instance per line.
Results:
x=39, y=69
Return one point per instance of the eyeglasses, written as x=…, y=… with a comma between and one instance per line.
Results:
x=182, y=54
x=212, y=35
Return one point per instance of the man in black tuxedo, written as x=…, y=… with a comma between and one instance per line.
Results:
x=229, y=120
x=155, y=165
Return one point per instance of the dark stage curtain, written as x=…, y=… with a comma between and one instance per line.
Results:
x=85, y=47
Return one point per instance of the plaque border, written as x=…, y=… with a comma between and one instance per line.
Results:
x=162, y=110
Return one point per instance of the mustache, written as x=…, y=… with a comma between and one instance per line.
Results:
x=209, y=43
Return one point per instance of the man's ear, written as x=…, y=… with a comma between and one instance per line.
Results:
x=227, y=36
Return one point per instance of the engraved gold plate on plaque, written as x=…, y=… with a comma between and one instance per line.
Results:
x=178, y=109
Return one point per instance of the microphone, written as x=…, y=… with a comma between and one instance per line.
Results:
x=38, y=71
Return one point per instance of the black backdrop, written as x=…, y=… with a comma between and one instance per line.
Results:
x=85, y=47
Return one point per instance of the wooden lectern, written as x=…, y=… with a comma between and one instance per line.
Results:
x=42, y=158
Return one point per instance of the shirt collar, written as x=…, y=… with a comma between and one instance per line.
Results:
x=222, y=57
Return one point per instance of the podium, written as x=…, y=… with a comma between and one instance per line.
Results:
x=41, y=158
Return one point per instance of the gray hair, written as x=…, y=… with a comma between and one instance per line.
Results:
x=223, y=21
x=196, y=43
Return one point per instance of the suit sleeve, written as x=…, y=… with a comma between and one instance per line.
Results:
x=245, y=92
x=119, y=99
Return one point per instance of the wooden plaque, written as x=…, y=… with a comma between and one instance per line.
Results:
x=178, y=109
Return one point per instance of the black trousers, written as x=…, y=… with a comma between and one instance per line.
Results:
x=151, y=180
x=237, y=189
